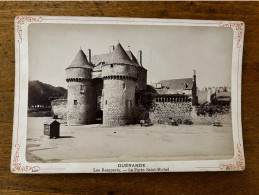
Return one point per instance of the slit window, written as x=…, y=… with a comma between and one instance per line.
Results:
x=82, y=89
x=106, y=102
x=111, y=65
x=124, y=85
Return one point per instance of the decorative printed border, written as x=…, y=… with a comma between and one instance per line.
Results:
x=21, y=20
x=239, y=26
x=239, y=165
x=18, y=166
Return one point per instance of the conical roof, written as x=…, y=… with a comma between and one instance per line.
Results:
x=119, y=56
x=80, y=61
x=132, y=57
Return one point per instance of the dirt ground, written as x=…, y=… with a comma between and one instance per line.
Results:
x=95, y=143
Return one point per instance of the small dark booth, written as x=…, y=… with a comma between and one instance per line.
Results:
x=51, y=128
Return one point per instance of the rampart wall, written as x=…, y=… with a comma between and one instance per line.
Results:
x=59, y=108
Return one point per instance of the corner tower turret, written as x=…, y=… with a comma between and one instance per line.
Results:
x=80, y=100
x=119, y=76
x=142, y=72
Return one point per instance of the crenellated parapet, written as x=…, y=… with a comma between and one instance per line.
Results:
x=77, y=79
x=78, y=73
x=120, y=77
x=81, y=97
x=171, y=99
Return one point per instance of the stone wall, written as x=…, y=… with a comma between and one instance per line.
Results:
x=119, y=94
x=162, y=112
x=142, y=78
x=118, y=102
x=202, y=97
x=119, y=70
x=81, y=103
x=59, y=108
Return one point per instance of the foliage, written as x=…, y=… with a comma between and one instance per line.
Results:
x=39, y=93
x=212, y=110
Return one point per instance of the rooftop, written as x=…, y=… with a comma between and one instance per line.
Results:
x=80, y=61
x=185, y=83
x=119, y=56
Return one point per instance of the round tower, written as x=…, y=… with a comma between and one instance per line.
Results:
x=119, y=76
x=142, y=72
x=80, y=97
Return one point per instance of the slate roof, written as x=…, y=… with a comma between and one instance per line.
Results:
x=80, y=61
x=132, y=57
x=119, y=56
x=50, y=121
x=101, y=58
x=226, y=99
x=178, y=83
x=224, y=94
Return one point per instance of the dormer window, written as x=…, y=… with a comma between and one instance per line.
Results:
x=185, y=85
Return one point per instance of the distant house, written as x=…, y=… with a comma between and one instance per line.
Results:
x=222, y=98
x=184, y=86
x=215, y=95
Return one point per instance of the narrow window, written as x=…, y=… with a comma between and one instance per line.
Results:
x=111, y=65
x=82, y=89
x=75, y=102
x=106, y=102
x=124, y=85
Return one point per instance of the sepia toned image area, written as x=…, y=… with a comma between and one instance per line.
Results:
x=128, y=93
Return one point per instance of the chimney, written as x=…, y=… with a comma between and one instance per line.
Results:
x=89, y=55
x=194, y=75
x=209, y=95
x=213, y=90
x=111, y=48
x=140, y=57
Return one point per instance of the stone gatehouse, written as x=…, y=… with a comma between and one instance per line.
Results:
x=106, y=88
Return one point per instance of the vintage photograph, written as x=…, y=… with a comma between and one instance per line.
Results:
x=128, y=93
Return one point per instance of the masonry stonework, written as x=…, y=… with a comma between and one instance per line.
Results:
x=163, y=112
x=59, y=108
x=80, y=97
x=108, y=89
x=119, y=94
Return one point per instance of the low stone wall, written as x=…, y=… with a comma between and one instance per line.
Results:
x=162, y=112
x=59, y=108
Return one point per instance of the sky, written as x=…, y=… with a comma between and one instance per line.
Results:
x=168, y=52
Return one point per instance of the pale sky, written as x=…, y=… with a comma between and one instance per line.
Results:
x=169, y=52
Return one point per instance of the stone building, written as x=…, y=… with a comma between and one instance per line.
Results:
x=185, y=87
x=105, y=87
x=215, y=95
x=112, y=89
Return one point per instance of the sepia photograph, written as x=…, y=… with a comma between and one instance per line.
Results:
x=105, y=93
